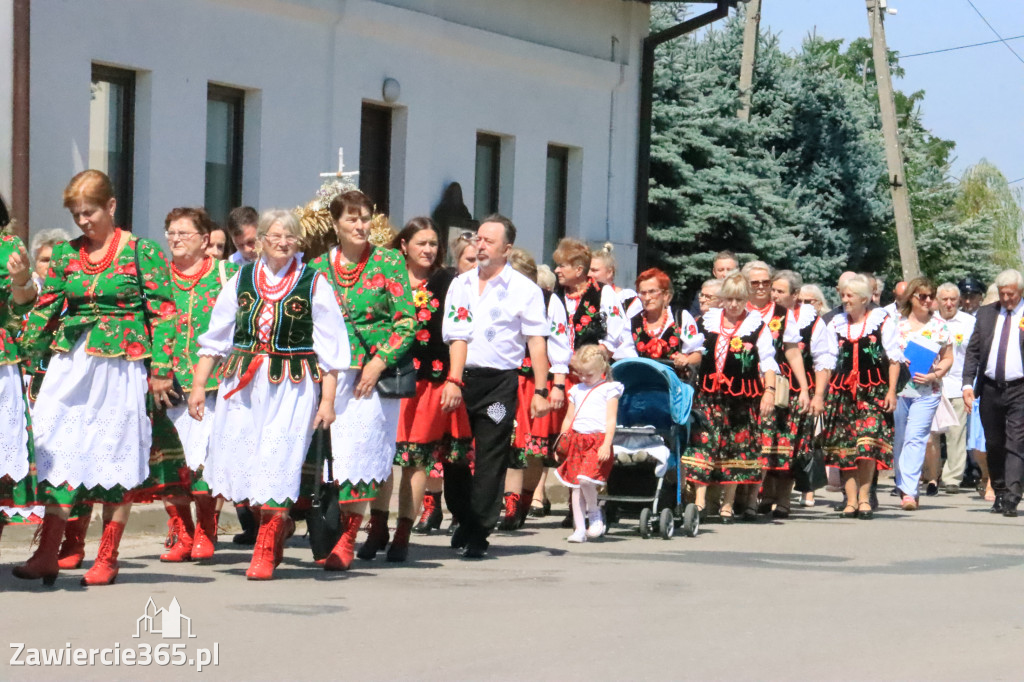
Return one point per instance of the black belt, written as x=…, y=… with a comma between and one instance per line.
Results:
x=1003, y=384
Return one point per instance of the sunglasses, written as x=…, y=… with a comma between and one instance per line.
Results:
x=924, y=297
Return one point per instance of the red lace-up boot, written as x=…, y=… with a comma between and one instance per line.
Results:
x=340, y=557
x=511, y=520
x=432, y=516
x=43, y=563
x=265, y=553
x=179, y=543
x=206, y=528
x=104, y=569
x=72, y=550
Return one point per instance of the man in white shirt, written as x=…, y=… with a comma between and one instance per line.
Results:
x=995, y=362
x=961, y=327
x=494, y=314
x=241, y=226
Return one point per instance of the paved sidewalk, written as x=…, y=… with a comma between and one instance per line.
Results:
x=931, y=595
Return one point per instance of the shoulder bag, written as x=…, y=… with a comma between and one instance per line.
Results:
x=560, y=447
x=397, y=381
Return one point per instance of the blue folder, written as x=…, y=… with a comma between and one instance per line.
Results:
x=921, y=353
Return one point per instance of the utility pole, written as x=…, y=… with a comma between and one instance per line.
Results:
x=893, y=151
x=750, y=35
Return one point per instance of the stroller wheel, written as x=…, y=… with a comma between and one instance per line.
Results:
x=691, y=521
x=645, y=523
x=666, y=524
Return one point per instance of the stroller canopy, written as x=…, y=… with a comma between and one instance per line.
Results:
x=653, y=394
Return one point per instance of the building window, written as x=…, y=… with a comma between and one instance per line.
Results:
x=375, y=156
x=111, y=133
x=225, y=111
x=488, y=175
x=556, y=197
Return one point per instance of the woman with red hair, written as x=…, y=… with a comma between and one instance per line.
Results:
x=654, y=329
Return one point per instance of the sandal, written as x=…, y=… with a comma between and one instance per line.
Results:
x=726, y=515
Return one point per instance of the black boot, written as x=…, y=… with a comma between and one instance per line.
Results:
x=250, y=529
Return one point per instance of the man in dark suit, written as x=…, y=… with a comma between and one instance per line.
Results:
x=995, y=364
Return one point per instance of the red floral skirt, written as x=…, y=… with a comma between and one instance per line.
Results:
x=427, y=434
x=581, y=463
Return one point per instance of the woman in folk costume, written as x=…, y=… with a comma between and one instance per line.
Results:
x=276, y=324
x=93, y=433
x=777, y=431
x=427, y=436
x=533, y=435
x=17, y=294
x=793, y=428
x=862, y=394
x=736, y=389
x=372, y=286
x=198, y=279
x=655, y=333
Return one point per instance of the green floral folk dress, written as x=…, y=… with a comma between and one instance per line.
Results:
x=194, y=298
x=97, y=437
x=380, y=318
x=17, y=457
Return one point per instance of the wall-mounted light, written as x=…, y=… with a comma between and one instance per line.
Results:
x=391, y=90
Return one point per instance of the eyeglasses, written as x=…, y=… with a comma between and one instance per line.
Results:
x=924, y=297
x=646, y=293
x=809, y=301
x=707, y=297
x=467, y=236
x=182, y=236
x=278, y=238
x=761, y=283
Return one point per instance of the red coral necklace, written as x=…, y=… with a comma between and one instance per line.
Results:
x=189, y=282
x=655, y=332
x=345, y=273
x=578, y=296
x=277, y=291
x=90, y=268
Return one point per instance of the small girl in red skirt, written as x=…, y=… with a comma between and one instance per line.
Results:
x=588, y=430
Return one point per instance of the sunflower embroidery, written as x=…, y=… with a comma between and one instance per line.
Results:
x=736, y=345
x=775, y=324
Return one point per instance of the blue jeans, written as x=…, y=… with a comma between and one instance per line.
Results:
x=913, y=426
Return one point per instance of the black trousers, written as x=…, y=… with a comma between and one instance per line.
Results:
x=1002, y=418
x=492, y=397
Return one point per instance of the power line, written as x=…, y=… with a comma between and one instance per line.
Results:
x=1014, y=182
x=959, y=47
x=994, y=31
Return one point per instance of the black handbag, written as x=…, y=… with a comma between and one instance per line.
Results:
x=397, y=381
x=323, y=522
x=809, y=472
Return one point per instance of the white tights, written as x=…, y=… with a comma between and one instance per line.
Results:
x=584, y=505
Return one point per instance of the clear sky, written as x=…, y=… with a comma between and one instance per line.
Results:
x=974, y=96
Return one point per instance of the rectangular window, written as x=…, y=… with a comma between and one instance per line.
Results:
x=556, y=196
x=225, y=111
x=488, y=175
x=111, y=133
x=375, y=156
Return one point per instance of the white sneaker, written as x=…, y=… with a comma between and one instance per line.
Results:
x=596, y=529
x=578, y=536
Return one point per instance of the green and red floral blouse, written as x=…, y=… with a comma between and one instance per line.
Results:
x=10, y=313
x=195, y=304
x=379, y=303
x=108, y=308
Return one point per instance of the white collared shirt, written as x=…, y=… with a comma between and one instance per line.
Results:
x=960, y=326
x=496, y=323
x=237, y=258
x=1014, y=365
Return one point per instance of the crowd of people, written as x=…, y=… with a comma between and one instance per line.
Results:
x=127, y=378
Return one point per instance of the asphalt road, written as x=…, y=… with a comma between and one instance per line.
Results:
x=936, y=594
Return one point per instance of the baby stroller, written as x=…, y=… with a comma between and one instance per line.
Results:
x=653, y=430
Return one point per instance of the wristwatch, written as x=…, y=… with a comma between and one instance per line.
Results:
x=542, y=392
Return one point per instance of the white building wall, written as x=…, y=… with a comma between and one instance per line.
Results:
x=6, y=95
x=463, y=66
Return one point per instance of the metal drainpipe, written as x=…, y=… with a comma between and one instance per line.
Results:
x=20, y=118
x=643, y=171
